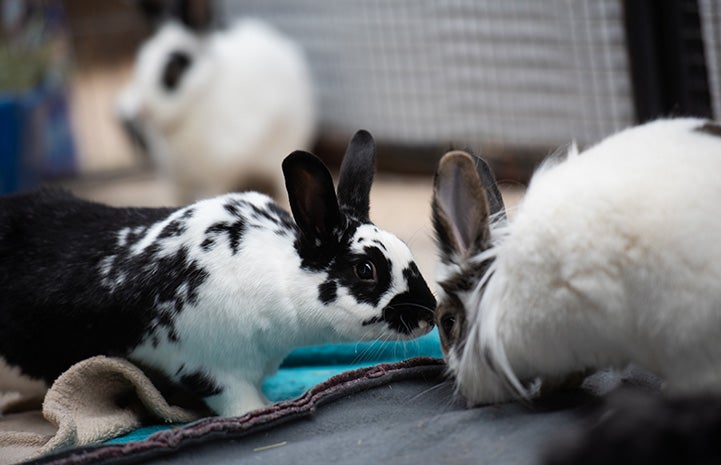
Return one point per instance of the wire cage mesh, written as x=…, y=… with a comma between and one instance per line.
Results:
x=480, y=73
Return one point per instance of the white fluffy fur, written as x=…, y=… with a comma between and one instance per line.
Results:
x=244, y=104
x=257, y=305
x=613, y=257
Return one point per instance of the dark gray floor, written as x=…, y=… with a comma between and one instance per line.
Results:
x=406, y=422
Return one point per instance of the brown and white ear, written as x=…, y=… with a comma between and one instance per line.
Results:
x=460, y=207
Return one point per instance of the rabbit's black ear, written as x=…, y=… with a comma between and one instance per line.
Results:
x=312, y=197
x=356, y=176
x=460, y=208
x=196, y=15
x=154, y=11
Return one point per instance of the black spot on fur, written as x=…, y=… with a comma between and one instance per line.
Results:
x=200, y=384
x=327, y=292
x=207, y=244
x=233, y=231
x=274, y=214
x=173, y=229
x=234, y=208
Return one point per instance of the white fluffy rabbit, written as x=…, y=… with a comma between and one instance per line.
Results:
x=612, y=258
x=218, y=111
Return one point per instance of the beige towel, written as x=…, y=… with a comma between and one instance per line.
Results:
x=95, y=400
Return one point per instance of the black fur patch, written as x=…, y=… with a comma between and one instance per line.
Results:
x=404, y=312
x=274, y=214
x=380, y=244
x=177, y=227
x=328, y=292
x=232, y=230
x=52, y=248
x=320, y=257
x=200, y=384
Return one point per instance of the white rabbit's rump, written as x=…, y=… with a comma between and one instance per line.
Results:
x=612, y=258
x=624, y=239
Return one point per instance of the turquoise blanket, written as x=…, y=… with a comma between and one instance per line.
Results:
x=308, y=366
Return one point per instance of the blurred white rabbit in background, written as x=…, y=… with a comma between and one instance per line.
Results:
x=218, y=110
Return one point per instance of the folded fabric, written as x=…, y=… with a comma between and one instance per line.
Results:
x=94, y=400
x=104, y=398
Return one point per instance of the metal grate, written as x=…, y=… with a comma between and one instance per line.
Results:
x=518, y=73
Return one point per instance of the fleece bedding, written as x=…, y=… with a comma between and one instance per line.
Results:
x=310, y=366
x=104, y=399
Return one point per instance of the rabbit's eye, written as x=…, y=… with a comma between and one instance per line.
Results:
x=365, y=271
x=448, y=321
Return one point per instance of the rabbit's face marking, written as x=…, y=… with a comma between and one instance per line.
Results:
x=377, y=269
x=455, y=283
x=328, y=292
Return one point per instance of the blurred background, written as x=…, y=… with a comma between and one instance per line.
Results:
x=512, y=80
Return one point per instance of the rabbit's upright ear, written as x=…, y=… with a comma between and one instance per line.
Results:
x=196, y=15
x=356, y=176
x=460, y=207
x=312, y=197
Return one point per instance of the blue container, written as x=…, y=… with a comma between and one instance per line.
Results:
x=36, y=141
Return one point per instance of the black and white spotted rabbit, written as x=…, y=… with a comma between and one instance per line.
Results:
x=213, y=295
